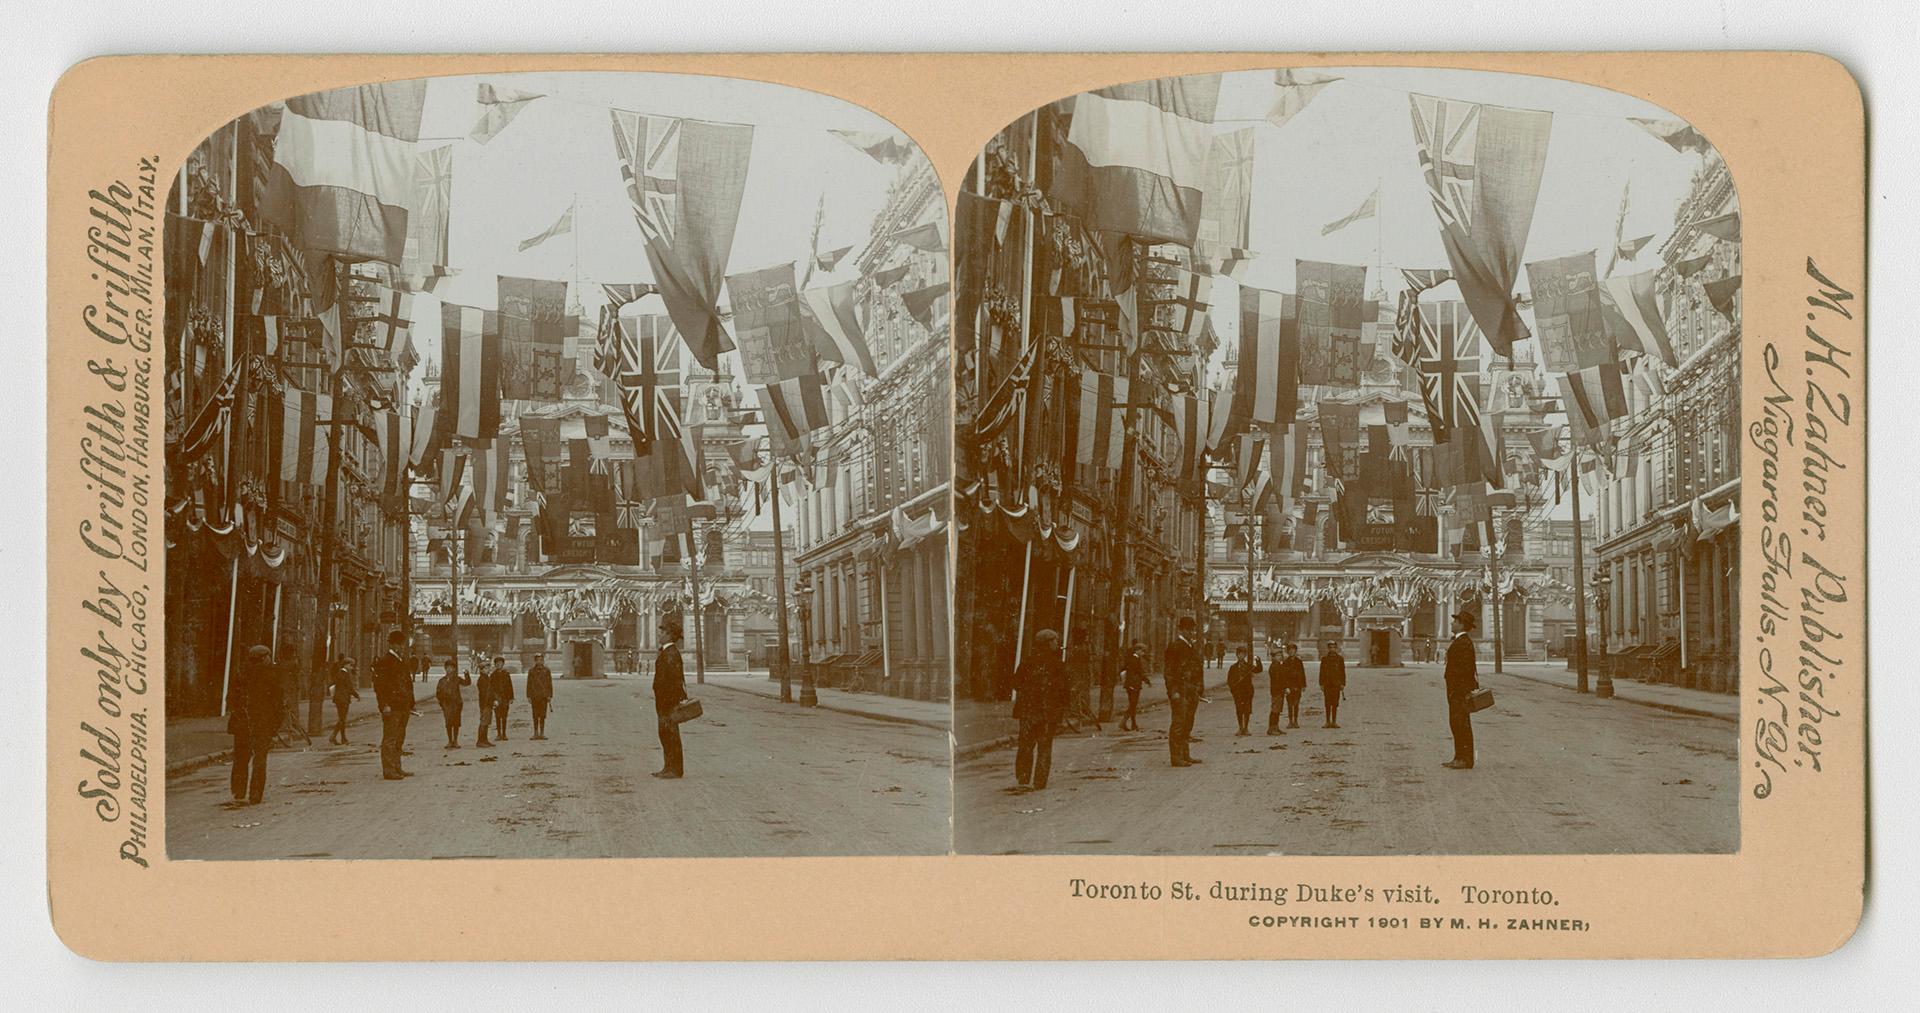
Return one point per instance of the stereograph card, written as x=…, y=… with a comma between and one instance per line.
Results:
x=633, y=486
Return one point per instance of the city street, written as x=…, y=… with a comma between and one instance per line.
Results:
x=762, y=779
x=1558, y=773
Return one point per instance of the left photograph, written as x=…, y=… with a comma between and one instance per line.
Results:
x=557, y=466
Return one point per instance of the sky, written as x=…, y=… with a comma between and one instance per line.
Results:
x=560, y=149
x=1357, y=135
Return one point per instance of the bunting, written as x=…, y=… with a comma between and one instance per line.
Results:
x=922, y=302
x=304, y=436
x=1680, y=136
x=794, y=408
x=1191, y=427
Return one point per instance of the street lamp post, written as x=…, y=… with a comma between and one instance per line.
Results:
x=803, y=592
x=1601, y=581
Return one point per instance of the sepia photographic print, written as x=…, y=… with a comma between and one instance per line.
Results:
x=556, y=467
x=1214, y=506
x=1348, y=464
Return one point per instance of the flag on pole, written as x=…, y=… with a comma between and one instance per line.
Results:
x=1267, y=385
x=470, y=370
x=1368, y=208
x=1103, y=398
x=1292, y=91
x=1482, y=165
x=685, y=178
x=343, y=167
x=1632, y=298
x=1135, y=160
x=498, y=107
x=836, y=331
x=1226, y=206
x=881, y=146
x=423, y=259
x=563, y=225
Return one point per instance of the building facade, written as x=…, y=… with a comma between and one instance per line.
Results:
x=871, y=531
x=1668, y=522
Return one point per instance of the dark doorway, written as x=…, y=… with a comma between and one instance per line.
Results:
x=582, y=660
x=1379, y=648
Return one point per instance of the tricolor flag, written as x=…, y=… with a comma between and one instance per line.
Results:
x=343, y=168
x=1632, y=298
x=395, y=431
x=303, y=436
x=1598, y=397
x=1368, y=208
x=1286, y=457
x=686, y=178
x=421, y=440
x=492, y=475
x=498, y=108
x=561, y=226
x=837, y=335
x=470, y=371
x=1267, y=385
x=793, y=408
x=1136, y=157
x=1483, y=165
x=1103, y=397
x=1192, y=426
x=1246, y=458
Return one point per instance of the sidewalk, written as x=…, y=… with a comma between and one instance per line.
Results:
x=198, y=742
x=1678, y=699
x=981, y=726
x=878, y=706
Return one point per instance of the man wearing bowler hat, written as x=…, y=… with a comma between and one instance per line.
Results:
x=1461, y=680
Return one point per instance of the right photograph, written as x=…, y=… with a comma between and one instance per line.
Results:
x=1347, y=462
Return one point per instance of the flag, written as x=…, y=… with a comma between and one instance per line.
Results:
x=685, y=178
x=1410, y=326
x=498, y=107
x=423, y=430
x=1226, y=205
x=1286, y=459
x=793, y=408
x=1632, y=297
x=1292, y=91
x=423, y=259
x=921, y=302
x=1135, y=160
x=489, y=469
x=342, y=176
x=561, y=226
x=836, y=331
x=1331, y=304
x=891, y=276
x=392, y=431
x=1368, y=208
x=470, y=370
x=930, y=236
x=1103, y=398
x=1725, y=226
x=1227, y=415
x=1267, y=385
x=829, y=260
x=533, y=322
x=303, y=436
x=606, y=355
x=1482, y=165
x=1230, y=264
x=1721, y=294
x=391, y=335
x=1191, y=428
x=881, y=146
x=1598, y=394
x=1246, y=458
x=768, y=325
x=1678, y=135
x=1627, y=249
x=1619, y=228
x=1566, y=309
x=1450, y=380
x=1340, y=440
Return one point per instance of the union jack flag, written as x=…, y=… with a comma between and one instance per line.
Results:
x=1446, y=132
x=649, y=382
x=649, y=150
x=1410, y=327
x=1450, y=382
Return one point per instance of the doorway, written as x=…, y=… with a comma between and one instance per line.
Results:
x=582, y=660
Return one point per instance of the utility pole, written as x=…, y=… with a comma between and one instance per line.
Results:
x=328, y=589
x=1246, y=497
x=1493, y=574
x=699, y=609
x=1579, y=580
x=456, y=545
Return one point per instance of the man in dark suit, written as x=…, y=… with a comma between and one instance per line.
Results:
x=1286, y=674
x=1041, y=699
x=501, y=693
x=1185, y=677
x=1333, y=681
x=539, y=693
x=254, y=701
x=669, y=688
x=1461, y=680
x=393, y=690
